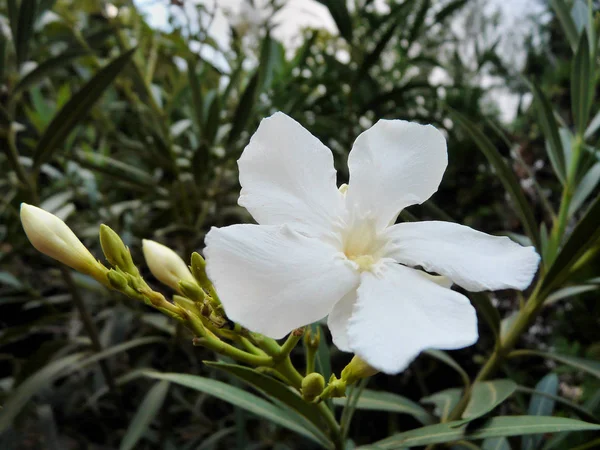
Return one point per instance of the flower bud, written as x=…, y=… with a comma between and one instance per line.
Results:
x=191, y=290
x=312, y=386
x=52, y=237
x=356, y=370
x=165, y=264
x=116, y=251
x=199, y=269
x=117, y=280
x=312, y=340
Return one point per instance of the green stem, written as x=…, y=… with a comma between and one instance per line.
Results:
x=524, y=318
x=567, y=195
x=13, y=158
x=291, y=341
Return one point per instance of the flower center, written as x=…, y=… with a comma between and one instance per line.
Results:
x=361, y=244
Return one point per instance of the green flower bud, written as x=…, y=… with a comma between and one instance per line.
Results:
x=356, y=370
x=312, y=386
x=117, y=280
x=116, y=252
x=198, y=268
x=52, y=237
x=191, y=290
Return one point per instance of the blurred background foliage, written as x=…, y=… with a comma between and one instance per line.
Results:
x=147, y=143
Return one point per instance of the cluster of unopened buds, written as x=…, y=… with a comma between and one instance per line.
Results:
x=195, y=302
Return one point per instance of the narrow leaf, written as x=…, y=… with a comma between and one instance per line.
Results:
x=237, y=397
x=496, y=427
x=540, y=405
x=581, y=85
x=341, y=17
x=483, y=305
x=444, y=401
x=564, y=16
x=585, y=187
x=19, y=397
x=500, y=443
x=76, y=109
x=386, y=401
x=583, y=237
x=585, y=365
x=277, y=390
x=569, y=291
x=554, y=149
x=244, y=109
x=47, y=68
x=145, y=414
x=486, y=395
x=24, y=31
x=506, y=175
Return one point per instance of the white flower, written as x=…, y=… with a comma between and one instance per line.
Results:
x=165, y=264
x=319, y=250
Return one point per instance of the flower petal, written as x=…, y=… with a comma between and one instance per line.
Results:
x=393, y=165
x=474, y=260
x=272, y=279
x=287, y=176
x=338, y=318
x=400, y=313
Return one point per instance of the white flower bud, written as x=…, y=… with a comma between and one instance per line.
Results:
x=165, y=264
x=52, y=237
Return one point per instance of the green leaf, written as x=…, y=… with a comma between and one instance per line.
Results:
x=444, y=401
x=593, y=126
x=418, y=21
x=505, y=174
x=496, y=427
x=213, y=119
x=193, y=80
x=583, y=237
x=19, y=397
x=540, y=405
x=145, y=414
x=277, y=390
x=341, y=17
x=114, y=168
x=585, y=365
x=584, y=413
x=244, y=109
x=564, y=16
x=3, y=46
x=499, y=443
x=13, y=16
x=386, y=401
x=567, y=292
x=446, y=359
x=581, y=85
x=547, y=122
x=372, y=58
x=449, y=9
x=585, y=187
x=237, y=397
x=483, y=305
x=76, y=109
x=47, y=67
x=486, y=395
x=24, y=31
